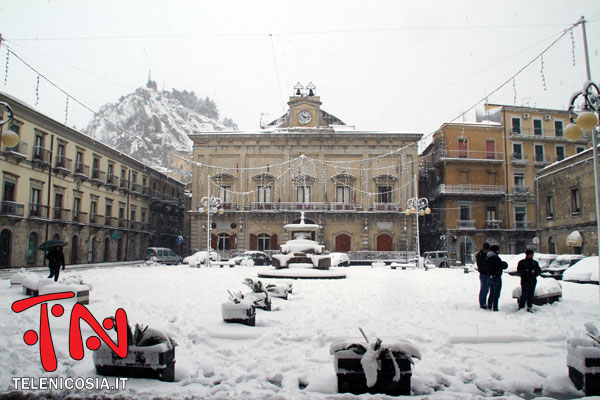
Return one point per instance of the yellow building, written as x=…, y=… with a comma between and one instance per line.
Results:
x=59, y=183
x=354, y=184
x=480, y=176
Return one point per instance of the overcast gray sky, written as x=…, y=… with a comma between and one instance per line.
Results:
x=384, y=65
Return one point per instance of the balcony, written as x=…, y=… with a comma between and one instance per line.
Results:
x=136, y=226
x=12, y=209
x=267, y=206
x=124, y=185
x=60, y=214
x=493, y=224
x=541, y=160
x=342, y=206
x=471, y=156
x=63, y=165
x=96, y=219
x=544, y=135
x=519, y=159
x=136, y=188
x=156, y=195
x=38, y=211
x=465, y=224
x=98, y=177
x=111, y=181
x=521, y=191
x=385, y=207
x=81, y=171
x=475, y=190
x=110, y=221
x=229, y=206
x=80, y=217
x=523, y=225
x=40, y=157
x=122, y=223
x=146, y=191
x=17, y=153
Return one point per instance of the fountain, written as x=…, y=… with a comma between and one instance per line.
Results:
x=301, y=257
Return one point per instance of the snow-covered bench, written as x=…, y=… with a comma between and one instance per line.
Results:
x=547, y=291
x=395, y=265
x=33, y=283
x=18, y=278
x=82, y=292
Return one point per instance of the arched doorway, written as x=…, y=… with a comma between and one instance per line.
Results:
x=343, y=242
x=92, y=250
x=119, y=249
x=5, y=245
x=384, y=242
x=106, y=255
x=32, y=245
x=74, y=250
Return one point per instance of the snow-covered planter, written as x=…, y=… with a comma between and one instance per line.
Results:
x=583, y=360
x=373, y=367
x=282, y=290
x=33, y=283
x=547, y=291
x=18, y=278
x=150, y=354
x=260, y=293
x=82, y=292
x=239, y=310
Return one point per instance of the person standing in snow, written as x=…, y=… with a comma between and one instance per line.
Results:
x=494, y=266
x=484, y=277
x=55, y=258
x=529, y=270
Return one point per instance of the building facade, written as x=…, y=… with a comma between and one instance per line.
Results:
x=567, y=204
x=354, y=184
x=481, y=178
x=58, y=183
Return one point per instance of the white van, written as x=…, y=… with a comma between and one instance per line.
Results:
x=439, y=258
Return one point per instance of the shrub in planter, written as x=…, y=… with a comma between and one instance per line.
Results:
x=583, y=360
x=150, y=354
x=260, y=293
x=282, y=291
x=239, y=310
x=373, y=367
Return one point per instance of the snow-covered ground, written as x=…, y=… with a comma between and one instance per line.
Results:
x=467, y=353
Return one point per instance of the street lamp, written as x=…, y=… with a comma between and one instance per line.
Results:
x=419, y=207
x=212, y=205
x=10, y=138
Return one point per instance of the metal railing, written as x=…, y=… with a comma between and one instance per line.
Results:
x=541, y=159
x=136, y=188
x=111, y=181
x=493, y=224
x=60, y=214
x=339, y=206
x=470, y=189
x=378, y=206
x=82, y=170
x=19, y=150
x=521, y=190
x=38, y=211
x=122, y=222
x=96, y=219
x=523, y=225
x=41, y=155
x=110, y=221
x=519, y=158
x=11, y=208
x=465, y=224
x=124, y=184
x=80, y=217
x=469, y=155
x=63, y=162
x=536, y=133
x=98, y=175
x=146, y=191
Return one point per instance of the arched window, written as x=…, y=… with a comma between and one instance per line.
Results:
x=551, y=245
x=264, y=242
x=5, y=248
x=32, y=245
x=75, y=249
x=223, y=241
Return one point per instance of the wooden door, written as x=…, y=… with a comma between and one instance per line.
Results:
x=384, y=243
x=342, y=243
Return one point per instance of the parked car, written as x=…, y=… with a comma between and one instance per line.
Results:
x=163, y=255
x=439, y=258
x=560, y=264
x=199, y=258
x=258, y=257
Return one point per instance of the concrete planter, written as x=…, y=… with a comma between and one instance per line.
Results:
x=583, y=363
x=261, y=300
x=282, y=291
x=242, y=312
x=152, y=362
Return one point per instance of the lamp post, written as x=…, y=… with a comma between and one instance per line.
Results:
x=587, y=121
x=9, y=138
x=419, y=207
x=212, y=205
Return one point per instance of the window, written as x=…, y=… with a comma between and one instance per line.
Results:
x=465, y=212
x=516, y=126
x=264, y=194
x=491, y=213
x=93, y=208
x=76, y=208
x=384, y=194
x=78, y=161
x=517, y=151
x=303, y=194
x=264, y=242
x=144, y=181
x=60, y=155
x=519, y=180
x=579, y=149
x=342, y=194
x=32, y=245
x=558, y=128
x=539, y=152
x=549, y=207
x=462, y=148
x=575, y=201
x=560, y=153
x=132, y=219
x=551, y=245
x=537, y=127
x=9, y=191
x=490, y=149
x=34, y=209
x=133, y=177
x=143, y=216
x=223, y=242
x=58, y=201
x=491, y=178
x=38, y=147
x=225, y=194
x=520, y=217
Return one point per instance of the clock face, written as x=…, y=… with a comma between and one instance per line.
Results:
x=304, y=117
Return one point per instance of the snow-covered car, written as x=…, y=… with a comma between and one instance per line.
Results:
x=339, y=260
x=584, y=271
x=560, y=265
x=163, y=255
x=199, y=258
x=513, y=260
x=259, y=258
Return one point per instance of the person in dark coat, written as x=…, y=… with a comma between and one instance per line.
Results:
x=484, y=277
x=529, y=270
x=494, y=266
x=56, y=259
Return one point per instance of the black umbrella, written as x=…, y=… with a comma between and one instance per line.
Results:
x=50, y=244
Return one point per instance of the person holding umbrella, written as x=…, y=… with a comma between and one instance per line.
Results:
x=56, y=259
